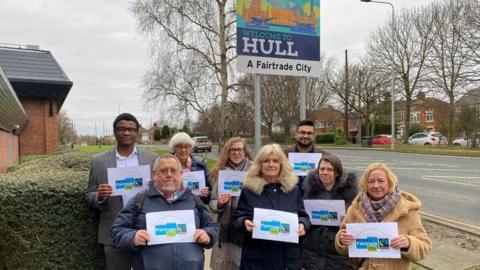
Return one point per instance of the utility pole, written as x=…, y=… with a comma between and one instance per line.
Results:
x=347, y=95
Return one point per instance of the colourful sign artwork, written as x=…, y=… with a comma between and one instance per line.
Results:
x=233, y=186
x=280, y=37
x=193, y=185
x=325, y=215
x=372, y=244
x=129, y=183
x=304, y=166
x=170, y=229
x=274, y=227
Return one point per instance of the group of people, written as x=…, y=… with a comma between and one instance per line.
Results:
x=270, y=183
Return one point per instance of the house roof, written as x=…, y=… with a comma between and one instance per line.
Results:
x=426, y=103
x=34, y=73
x=12, y=115
x=471, y=98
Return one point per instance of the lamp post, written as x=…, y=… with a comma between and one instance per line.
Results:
x=392, y=71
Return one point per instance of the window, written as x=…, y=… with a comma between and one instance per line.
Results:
x=319, y=124
x=50, y=108
x=414, y=118
x=429, y=117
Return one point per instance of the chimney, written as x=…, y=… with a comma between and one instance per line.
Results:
x=421, y=95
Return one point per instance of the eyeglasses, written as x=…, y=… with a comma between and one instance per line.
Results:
x=124, y=130
x=183, y=146
x=236, y=150
x=303, y=133
x=165, y=171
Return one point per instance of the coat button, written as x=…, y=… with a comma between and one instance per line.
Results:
x=274, y=190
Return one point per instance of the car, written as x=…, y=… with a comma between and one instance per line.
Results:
x=441, y=139
x=382, y=139
x=468, y=141
x=423, y=138
x=202, y=143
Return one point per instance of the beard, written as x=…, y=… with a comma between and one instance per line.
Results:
x=305, y=143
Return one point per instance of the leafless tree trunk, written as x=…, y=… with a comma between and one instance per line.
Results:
x=411, y=43
x=192, y=45
x=450, y=59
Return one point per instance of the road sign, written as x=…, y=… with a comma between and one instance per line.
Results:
x=278, y=37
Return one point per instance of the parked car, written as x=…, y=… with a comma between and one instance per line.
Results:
x=202, y=143
x=382, y=139
x=441, y=139
x=467, y=141
x=423, y=138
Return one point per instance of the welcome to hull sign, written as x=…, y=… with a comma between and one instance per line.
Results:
x=279, y=37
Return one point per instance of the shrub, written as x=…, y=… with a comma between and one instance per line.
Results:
x=45, y=222
x=325, y=138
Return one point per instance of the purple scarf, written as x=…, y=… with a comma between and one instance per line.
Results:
x=375, y=211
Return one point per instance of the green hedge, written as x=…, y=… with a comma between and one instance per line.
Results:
x=45, y=222
x=325, y=138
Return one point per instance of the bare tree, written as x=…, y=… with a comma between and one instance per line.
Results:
x=450, y=59
x=192, y=36
x=411, y=42
x=66, y=133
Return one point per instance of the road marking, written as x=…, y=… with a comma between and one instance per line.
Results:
x=434, y=178
x=419, y=168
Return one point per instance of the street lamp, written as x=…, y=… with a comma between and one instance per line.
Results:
x=392, y=72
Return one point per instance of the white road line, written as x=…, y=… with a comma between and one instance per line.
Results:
x=430, y=178
x=420, y=169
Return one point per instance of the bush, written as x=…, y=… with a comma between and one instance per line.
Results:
x=45, y=222
x=325, y=138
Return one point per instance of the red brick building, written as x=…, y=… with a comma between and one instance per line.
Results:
x=41, y=87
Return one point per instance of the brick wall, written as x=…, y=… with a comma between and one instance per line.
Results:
x=40, y=136
x=8, y=150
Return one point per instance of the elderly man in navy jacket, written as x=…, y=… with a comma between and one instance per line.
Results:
x=166, y=193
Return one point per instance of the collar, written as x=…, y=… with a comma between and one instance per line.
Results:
x=118, y=156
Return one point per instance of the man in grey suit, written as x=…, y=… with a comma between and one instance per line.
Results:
x=125, y=154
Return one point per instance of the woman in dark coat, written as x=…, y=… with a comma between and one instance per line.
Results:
x=328, y=182
x=270, y=184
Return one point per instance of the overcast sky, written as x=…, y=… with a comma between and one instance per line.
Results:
x=97, y=45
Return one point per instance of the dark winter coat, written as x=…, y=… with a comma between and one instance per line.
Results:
x=318, y=247
x=281, y=196
x=164, y=256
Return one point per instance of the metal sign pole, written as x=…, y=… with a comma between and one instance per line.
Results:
x=302, y=98
x=258, y=125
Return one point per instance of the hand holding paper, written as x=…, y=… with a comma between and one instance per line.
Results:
x=104, y=191
x=201, y=237
x=249, y=225
x=346, y=238
x=141, y=238
x=400, y=241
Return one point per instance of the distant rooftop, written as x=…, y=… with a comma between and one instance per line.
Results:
x=34, y=72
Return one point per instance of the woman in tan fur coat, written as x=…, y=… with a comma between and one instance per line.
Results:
x=380, y=200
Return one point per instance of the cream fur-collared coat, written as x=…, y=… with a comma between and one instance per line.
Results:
x=409, y=224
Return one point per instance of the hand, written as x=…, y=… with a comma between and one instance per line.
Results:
x=224, y=199
x=249, y=225
x=346, y=238
x=141, y=238
x=104, y=191
x=203, y=192
x=301, y=229
x=342, y=217
x=201, y=237
x=400, y=241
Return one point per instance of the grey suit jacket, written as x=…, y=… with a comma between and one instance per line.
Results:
x=113, y=205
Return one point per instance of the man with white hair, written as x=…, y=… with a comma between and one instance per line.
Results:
x=166, y=193
x=181, y=145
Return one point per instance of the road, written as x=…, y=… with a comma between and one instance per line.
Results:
x=447, y=186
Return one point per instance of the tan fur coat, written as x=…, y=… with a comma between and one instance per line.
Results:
x=409, y=224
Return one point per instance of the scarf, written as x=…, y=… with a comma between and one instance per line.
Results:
x=240, y=167
x=375, y=211
x=177, y=195
x=188, y=166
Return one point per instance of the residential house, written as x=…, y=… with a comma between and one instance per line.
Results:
x=429, y=112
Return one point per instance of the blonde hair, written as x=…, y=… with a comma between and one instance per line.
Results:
x=179, y=138
x=391, y=177
x=286, y=170
x=223, y=157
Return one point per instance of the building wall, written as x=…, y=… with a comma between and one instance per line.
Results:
x=8, y=150
x=40, y=135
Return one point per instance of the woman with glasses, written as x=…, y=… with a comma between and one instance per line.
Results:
x=181, y=144
x=380, y=200
x=271, y=184
x=235, y=156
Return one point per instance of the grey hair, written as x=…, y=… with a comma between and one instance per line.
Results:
x=166, y=156
x=179, y=138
